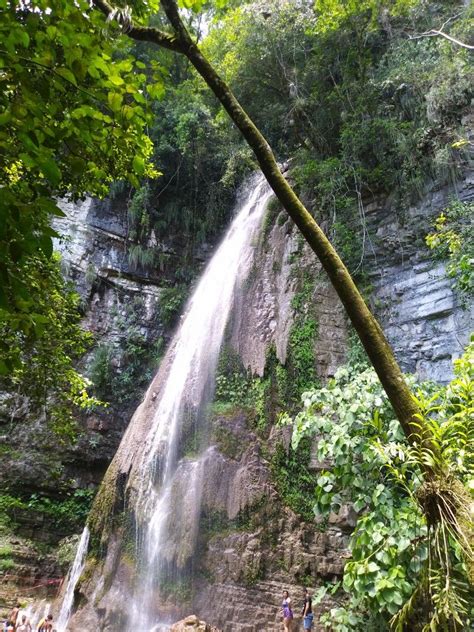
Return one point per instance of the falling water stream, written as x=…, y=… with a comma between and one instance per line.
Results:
x=170, y=490
x=169, y=495
x=74, y=574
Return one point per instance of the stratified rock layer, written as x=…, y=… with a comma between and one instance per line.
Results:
x=416, y=302
x=244, y=571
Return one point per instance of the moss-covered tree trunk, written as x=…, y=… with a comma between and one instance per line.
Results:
x=364, y=322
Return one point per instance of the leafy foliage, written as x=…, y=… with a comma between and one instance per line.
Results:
x=334, y=14
x=69, y=512
x=236, y=388
x=372, y=468
x=72, y=118
x=172, y=300
x=361, y=108
x=203, y=164
x=301, y=345
x=294, y=481
x=452, y=239
x=44, y=349
x=119, y=374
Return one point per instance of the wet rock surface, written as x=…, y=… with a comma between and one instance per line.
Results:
x=27, y=572
x=264, y=314
x=247, y=564
x=192, y=623
x=120, y=301
x=251, y=547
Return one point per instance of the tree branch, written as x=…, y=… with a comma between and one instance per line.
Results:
x=440, y=32
x=141, y=33
x=435, y=33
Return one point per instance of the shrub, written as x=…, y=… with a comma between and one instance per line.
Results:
x=172, y=300
x=398, y=555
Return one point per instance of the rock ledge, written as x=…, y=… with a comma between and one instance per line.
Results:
x=191, y=623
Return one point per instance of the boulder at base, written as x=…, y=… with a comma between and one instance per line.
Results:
x=191, y=624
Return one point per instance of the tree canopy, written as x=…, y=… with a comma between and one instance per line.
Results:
x=73, y=113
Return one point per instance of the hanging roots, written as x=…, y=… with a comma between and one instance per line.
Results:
x=445, y=500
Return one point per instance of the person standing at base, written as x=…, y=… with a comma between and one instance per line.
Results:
x=46, y=624
x=13, y=617
x=307, y=611
x=287, y=612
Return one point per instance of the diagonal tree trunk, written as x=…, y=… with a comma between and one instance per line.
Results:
x=364, y=322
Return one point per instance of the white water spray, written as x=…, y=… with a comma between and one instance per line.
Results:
x=73, y=578
x=169, y=496
x=35, y=612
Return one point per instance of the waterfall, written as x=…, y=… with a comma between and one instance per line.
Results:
x=35, y=612
x=168, y=503
x=73, y=578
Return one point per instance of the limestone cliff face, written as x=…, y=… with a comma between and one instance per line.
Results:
x=418, y=307
x=259, y=546
x=121, y=305
x=115, y=297
x=244, y=571
x=251, y=545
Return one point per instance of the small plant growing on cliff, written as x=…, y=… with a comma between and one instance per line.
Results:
x=452, y=240
x=293, y=479
x=172, y=300
x=100, y=370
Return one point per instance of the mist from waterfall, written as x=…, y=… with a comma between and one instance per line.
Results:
x=169, y=496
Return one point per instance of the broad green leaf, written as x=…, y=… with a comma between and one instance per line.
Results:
x=46, y=245
x=5, y=117
x=50, y=170
x=138, y=165
x=114, y=100
x=67, y=74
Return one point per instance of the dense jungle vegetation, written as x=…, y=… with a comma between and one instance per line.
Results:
x=361, y=99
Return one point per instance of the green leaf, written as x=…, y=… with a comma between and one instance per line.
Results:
x=46, y=245
x=50, y=170
x=114, y=100
x=403, y=544
x=372, y=567
x=5, y=117
x=22, y=37
x=50, y=207
x=116, y=80
x=156, y=90
x=138, y=165
x=67, y=74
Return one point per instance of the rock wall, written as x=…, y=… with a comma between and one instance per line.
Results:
x=264, y=313
x=251, y=546
x=244, y=567
x=416, y=302
x=119, y=301
x=245, y=571
x=242, y=570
